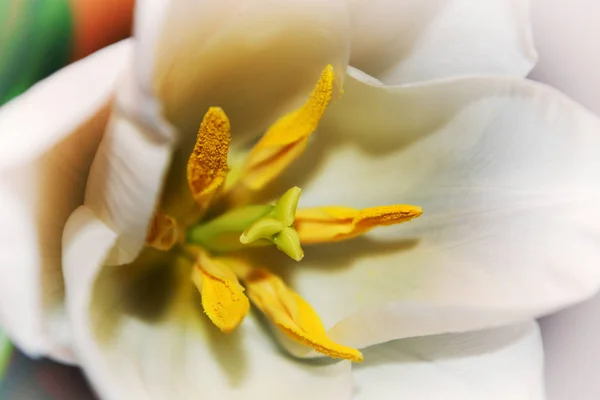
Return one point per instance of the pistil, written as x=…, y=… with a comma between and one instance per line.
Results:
x=251, y=226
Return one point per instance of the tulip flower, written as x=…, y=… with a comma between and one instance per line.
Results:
x=204, y=209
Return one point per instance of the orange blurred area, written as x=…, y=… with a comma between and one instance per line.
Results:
x=98, y=23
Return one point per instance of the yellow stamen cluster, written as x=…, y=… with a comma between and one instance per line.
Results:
x=218, y=278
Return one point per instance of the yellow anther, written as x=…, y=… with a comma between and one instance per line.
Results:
x=289, y=311
x=286, y=139
x=163, y=232
x=207, y=166
x=332, y=224
x=223, y=297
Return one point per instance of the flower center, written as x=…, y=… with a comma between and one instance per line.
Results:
x=226, y=280
x=254, y=225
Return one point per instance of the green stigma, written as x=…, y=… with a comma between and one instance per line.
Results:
x=278, y=226
x=256, y=225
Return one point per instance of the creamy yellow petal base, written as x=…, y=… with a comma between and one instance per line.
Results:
x=163, y=232
x=287, y=137
x=289, y=311
x=223, y=297
x=207, y=166
x=332, y=224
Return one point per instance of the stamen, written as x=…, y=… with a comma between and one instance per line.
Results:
x=286, y=139
x=163, y=232
x=289, y=311
x=207, y=166
x=332, y=224
x=223, y=297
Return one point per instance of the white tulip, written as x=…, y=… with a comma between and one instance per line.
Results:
x=434, y=112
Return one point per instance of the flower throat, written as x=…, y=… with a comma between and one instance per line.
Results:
x=227, y=280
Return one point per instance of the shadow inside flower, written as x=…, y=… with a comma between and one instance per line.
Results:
x=436, y=348
x=226, y=349
x=327, y=256
x=327, y=144
x=343, y=254
x=151, y=309
x=142, y=290
x=448, y=356
x=60, y=176
x=149, y=294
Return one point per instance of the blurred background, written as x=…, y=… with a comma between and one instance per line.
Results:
x=37, y=37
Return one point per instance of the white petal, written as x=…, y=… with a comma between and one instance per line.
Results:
x=141, y=333
x=567, y=62
x=572, y=352
x=409, y=41
x=125, y=181
x=500, y=364
x=250, y=57
x=566, y=35
x=508, y=174
x=49, y=136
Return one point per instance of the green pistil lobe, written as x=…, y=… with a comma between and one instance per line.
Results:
x=256, y=225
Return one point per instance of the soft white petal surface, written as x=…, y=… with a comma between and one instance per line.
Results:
x=508, y=174
x=413, y=40
x=566, y=34
x=250, y=57
x=48, y=139
x=125, y=180
x=140, y=333
x=572, y=352
x=499, y=364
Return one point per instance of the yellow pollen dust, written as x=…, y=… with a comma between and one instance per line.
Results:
x=289, y=311
x=333, y=224
x=207, y=166
x=286, y=139
x=223, y=297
